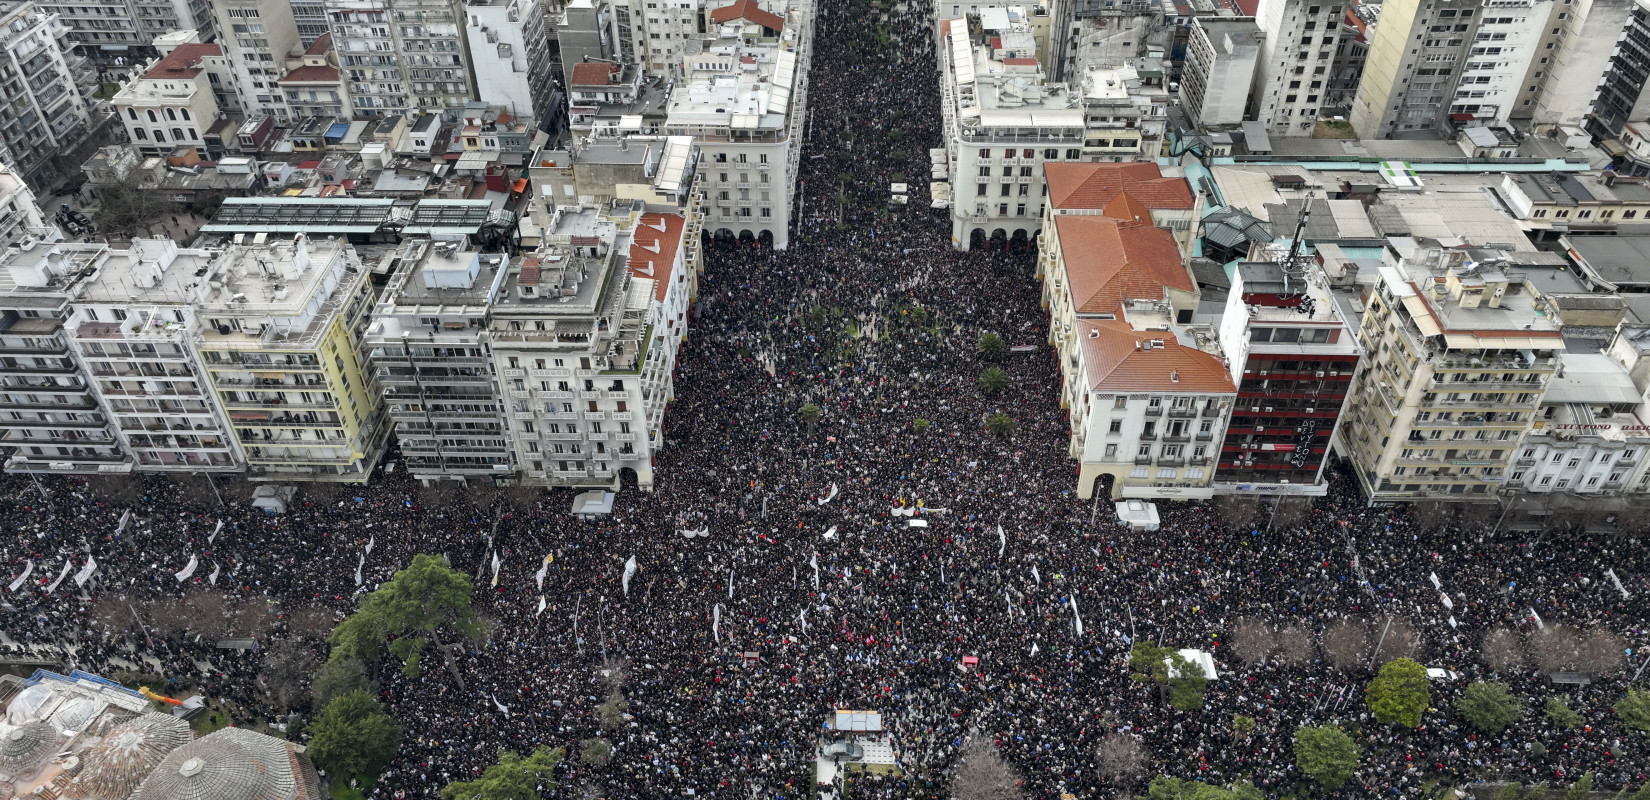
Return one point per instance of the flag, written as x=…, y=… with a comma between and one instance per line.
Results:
x=501, y=707
x=814, y=562
x=539, y=576
x=716, y=621
x=121, y=528
x=730, y=583
x=540, y=612
x=371, y=540
x=1537, y=618
x=495, y=568
x=188, y=569
x=215, y=531
x=85, y=573
x=1002, y=541
x=28, y=569
x=1436, y=584
x=1035, y=576
x=60, y=577
x=629, y=572
x=358, y=566
x=213, y=578
x=829, y=497
x=1078, y=618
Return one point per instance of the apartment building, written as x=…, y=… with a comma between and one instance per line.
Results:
x=1292, y=354
x=1084, y=34
x=257, y=38
x=1619, y=96
x=571, y=343
x=1222, y=55
x=743, y=100
x=509, y=55
x=313, y=86
x=1579, y=63
x=402, y=55
x=121, y=26
x=1298, y=47
x=20, y=215
x=281, y=344
x=50, y=416
x=428, y=350
x=584, y=32
x=132, y=325
x=1125, y=110
x=1588, y=441
x=1123, y=191
x=667, y=26
x=1004, y=120
x=43, y=115
x=1556, y=201
x=171, y=103
x=1461, y=352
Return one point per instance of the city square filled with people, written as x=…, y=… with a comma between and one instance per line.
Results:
x=808, y=558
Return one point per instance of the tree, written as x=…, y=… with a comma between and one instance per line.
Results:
x=126, y=209
x=512, y=778
x=418, y=601
x=1432, y=516
x=999, y=424
x=1242, y=725
x=1164, y=787
x=1400, y=641
x=993, y=381
x=920, y=426
x=1252, y=640
x=991, y=346
x=984, y=775
x=595, y=752
x=1294, y=646
x=611, y=713
x=1121, y=758
x=1173, y=673
x=1634, y=709
x=1238, y=512
x=1601, y=652
x=339, y=676
x=354, y=738
x=285, y=672
x=1554, y=648
x=1326, y=754
x=810, y=415
x=1561, y=714
x=1501, y=650
x=1489, y=707
x=1291, y=511
x=1580, y=789
x=1347, y=643
x=1399, y=694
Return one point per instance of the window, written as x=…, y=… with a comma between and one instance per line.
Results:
x=1120, y=402
x=1116, y=427
x=1111, y=451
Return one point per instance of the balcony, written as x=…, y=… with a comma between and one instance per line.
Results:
x=1154, y=411
x=1142, y=461
x=1211, y=411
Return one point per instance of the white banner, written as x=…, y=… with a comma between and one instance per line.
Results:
x=814, y=562
x=124, y=517
x=501, y=707
x=1617, y=581
x=495, y=568
x=1078, y=618
x=1448, y=603
x=629, y=572
x=371, y=540
x=1036, y=577
x=188, y=569
x=213, y=578
x=1436, y=584
x=540, y=612
x=538, y=577
x=803, y=618
x=215, y=530
x=1002, y=541
x=60, y=576
x=829, y=497
x=358, y=565
x=28, y=569
x=730, y=583
x=1537, y=618
x=716, y=622
x=85, y=573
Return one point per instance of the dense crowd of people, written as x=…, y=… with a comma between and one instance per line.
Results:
x=811, y=561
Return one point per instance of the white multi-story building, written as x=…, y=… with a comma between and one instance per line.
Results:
x=1297, y=59
x=1003, y=121
x=20, y=215
x=743, y=99
x=257, y=37
x=1124, y=112
x=1588, y=439
x=1510, y=59
x=580, y=341
x=120, y=25
x=133, y=325
x=401, y=55
x=42, y=114
x=1221, y=58
x=171, y=104
x=509, y=58
x=661, y=41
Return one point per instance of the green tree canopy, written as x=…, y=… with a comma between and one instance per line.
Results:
x=1326, y=754
x=993, y=380
x=991, y=346
x=512, y=778
x=1399, y=694
x=426, y=596
x=340, y=676
x=1182, y=680
x=1561, y=714
x=999, y=424
x=1634, y=709
x=354, y=737
x=810, y=413
x=1489, y=707
x=1166, y=788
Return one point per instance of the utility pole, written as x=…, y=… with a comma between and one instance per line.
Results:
x=1380, y=642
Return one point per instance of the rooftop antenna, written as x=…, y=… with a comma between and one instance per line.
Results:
x=1294, y=264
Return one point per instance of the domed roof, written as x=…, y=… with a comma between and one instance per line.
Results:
x=25, y=747
x=229, y=764
x=75, y=714
x=120, y=761
x=27, y=704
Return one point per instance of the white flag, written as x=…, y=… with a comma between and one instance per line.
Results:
x=1035, y=576
x=716, y=621
x=358, y=566
x=629, y=572
x=540, y=612
x=1436, y=584
x=803, y=618
x=1452, y=622
x=829, y=497
x=495, y=568
x=1537, y=618
x=1002, y=541
x=539, y=576
x=1617, y=581
x=213, y=578
x=814, y=562
x=1034, y=648
x=60, y=577
x=1448, y=603
x=501, y=707
x=85, y=573
x=831, y=534
x=188, y=569
x=371, y=540
x=1076, y=616
x=730, y=583
x=121, y=528
x=28, y=569
x=215, y=531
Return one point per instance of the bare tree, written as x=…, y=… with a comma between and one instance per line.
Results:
x=1554, y=648
x=1121, y=759
x=1432, y=516
x=114, y=613
x=285, y=672
x=1295, y=646
x=117, y=489
x=1479, y=515
x=208, y=612
x=1238, y=512
x=251, y=617
x=982, y=774
x=1601, y=652
x=1347, y=644
x=1252, y=640
x=1402, y=641
x=1502, y=650
x=1291, y=511
x=311, y=622
x=166, y=617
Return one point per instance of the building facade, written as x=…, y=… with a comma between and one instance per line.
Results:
x=1298, y=53
x=1579, y=63
x=401, y=55
x=258, y=37
x=1221, y=60
x=509, y=57
x=43, y=114
x=1409, y=87
x=171, y=103
x=1620, y=97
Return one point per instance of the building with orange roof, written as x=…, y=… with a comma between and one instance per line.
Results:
x=1137, y=190
x=171, y=104
x=313, y=86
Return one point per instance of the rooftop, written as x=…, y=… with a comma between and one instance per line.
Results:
x=738, y=89
x=1094, y=186
x=1119, y=358
x=183, y=62
x=1109, y=262
x=151, y=271
x=1472, y=303
x=653, y=248
x=748, y=10
x=1617, y=261
x=997, y=86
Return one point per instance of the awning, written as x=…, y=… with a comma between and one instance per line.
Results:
x=114, y=48
x=519, y=186
x=1460, y=117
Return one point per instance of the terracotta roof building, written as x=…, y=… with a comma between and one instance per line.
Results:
x=748, y=10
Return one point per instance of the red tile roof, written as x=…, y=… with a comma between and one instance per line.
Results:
x=748, y=9
x=644, y=261
x=1109, y=261
x=311, y=75
x=1020, y=62
x=1078, y=185
x=322, y=46
x=184, y=62
x=1116, y=359
x=593, y=73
